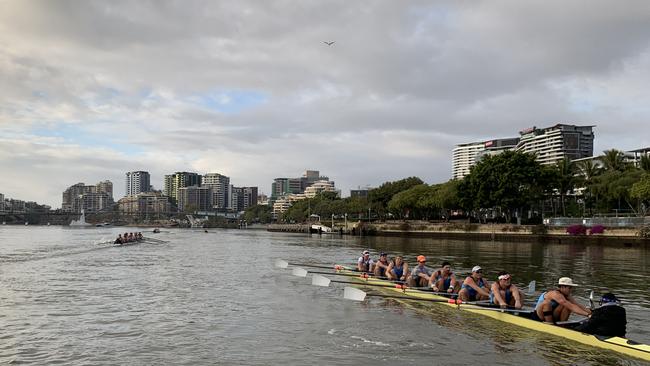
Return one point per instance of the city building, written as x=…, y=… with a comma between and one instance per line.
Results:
x=466, y=155
x=243, y=198
x=284, y=186
x=178, y=180
x=137, y=182
x=550, y=145
x=220, y=185
x=194, y=198
x=2, y=202
x=319, y=186
x=634, y=156
x=95, y=198
x=359, y=193
x=145, y=203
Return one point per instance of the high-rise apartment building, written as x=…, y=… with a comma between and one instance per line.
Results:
x=98, y=197
x=284, y=186
x=549, y=144
x=145, y=203
x=552, y=144
x=319, y=186
x=194, y=198
x=137, y=182
x=220, y=185
x=178, y=180
x=243, y=198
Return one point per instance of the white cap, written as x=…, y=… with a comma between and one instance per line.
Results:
x=476, y=268
x=366, y=252
x=566, y=281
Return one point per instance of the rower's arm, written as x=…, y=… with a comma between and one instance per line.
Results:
x=471, y=283
x=571, y=304
x=497, y=295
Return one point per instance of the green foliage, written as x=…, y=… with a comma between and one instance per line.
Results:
x=258, y=213
x=645, y=163
x=379, y=197
x=509, y=181
x=644, y=232
x=613, y=160
x=612, y=189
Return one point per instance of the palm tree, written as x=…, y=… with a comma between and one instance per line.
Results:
x=645, y=163
x=588, y=170
x=566, y=180
x=613, y=160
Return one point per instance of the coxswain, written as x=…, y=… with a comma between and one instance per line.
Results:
x=504, y=294
x=119, y=239
x=607, y=320
x=444, y=280
x=421, y=275
x=475, y=287
x=365, y=263
x=557, y=305
x=398, y=270
x=381, y=265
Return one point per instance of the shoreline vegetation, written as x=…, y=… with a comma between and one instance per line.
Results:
x=626, y=236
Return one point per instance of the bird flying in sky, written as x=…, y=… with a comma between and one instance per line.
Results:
x=329, y=43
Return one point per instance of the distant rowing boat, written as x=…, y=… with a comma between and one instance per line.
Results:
x=519, y=318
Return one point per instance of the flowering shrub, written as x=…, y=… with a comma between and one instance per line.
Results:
x=576, y=230
x=597, y=229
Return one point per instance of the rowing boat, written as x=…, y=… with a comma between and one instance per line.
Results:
x=617, y=344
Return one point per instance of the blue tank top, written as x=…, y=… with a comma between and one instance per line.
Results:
x=399, y=271
x=508, y=296
x=540, y=300
x=470, y=290
x=446, y=283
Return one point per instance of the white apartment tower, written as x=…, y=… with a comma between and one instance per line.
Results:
x=137, y=182
x=220, y=185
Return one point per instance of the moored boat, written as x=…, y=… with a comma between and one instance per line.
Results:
x=518, y=318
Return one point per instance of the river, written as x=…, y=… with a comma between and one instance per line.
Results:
x=216, y=298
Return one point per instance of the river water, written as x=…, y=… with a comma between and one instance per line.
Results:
x=216, y=298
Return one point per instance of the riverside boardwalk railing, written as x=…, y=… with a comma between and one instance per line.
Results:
x=291, y=228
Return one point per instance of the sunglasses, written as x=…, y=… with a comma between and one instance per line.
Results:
x=479, y=271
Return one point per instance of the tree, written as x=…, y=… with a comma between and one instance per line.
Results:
x=587, y=170
x=565, y=180
x=645, y=163
x=641, y=191
x=613, y=160
x=510, y=181
x=612, y=188
x=258, y=213
x=379, y=197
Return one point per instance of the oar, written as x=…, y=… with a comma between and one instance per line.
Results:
x=318, y=280
x=301, y=272
x=154, y=240
x=284, y=264
x=351, y=293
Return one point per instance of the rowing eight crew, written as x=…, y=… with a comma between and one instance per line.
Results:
x=128, y=237
x=552, y=306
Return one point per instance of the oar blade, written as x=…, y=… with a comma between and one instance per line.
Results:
x=318, y=280
x=281, y=263
x=299, y=272
x=531, y=288
x=354, y=294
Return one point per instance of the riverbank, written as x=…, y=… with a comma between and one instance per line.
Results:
x=624, y=236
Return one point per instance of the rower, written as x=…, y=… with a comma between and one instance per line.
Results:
x=607, y=320
x=365, y=263
x=119, y=239
x=504, y=293
x=421, y=275
x=397, y=270
x=381, y=265
x=557, y=305
x=444, y=280
x=126, y=237
x=475, y=287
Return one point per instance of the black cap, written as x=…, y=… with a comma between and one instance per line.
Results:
x=383, y=254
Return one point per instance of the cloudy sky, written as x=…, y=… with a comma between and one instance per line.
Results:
x=92, y=89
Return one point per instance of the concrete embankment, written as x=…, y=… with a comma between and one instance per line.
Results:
x=481, y=232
